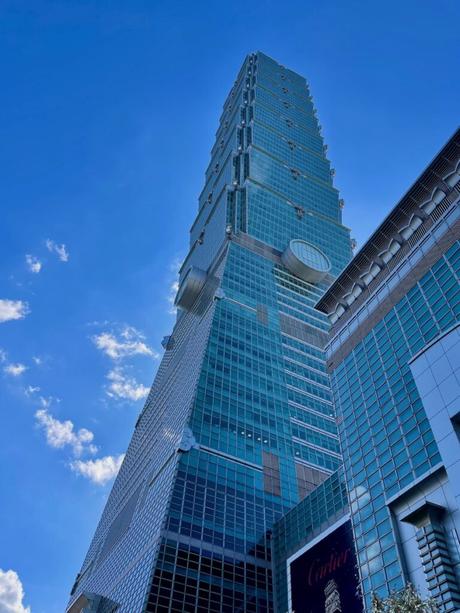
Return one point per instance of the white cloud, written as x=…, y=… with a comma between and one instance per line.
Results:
x=15, y=369
x=61, y=434
x=131, y=343
x=123, y=386
x=60, y=250
x=12, y=309
x=11, y=593
x=30, y=389
x=174, y=285
x=36, y=360
x=173, y=289
x=33, y=263
x=46, y=402
x=98, y=471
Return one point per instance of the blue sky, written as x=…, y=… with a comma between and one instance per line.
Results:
x=107, y=115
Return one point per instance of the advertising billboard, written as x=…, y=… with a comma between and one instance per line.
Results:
x=324, y=579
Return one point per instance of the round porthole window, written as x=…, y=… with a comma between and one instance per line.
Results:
x=306, y=261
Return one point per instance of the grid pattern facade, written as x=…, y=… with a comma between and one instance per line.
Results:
x=119, y=562
x=241, y=403
x=386, y=438
x=320, y=509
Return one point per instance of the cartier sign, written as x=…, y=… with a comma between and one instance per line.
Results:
x=324, y=578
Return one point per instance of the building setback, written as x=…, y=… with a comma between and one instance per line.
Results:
x=239, y=425
x=394, y=358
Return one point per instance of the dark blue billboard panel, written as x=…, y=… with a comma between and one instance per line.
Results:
x=324, y=579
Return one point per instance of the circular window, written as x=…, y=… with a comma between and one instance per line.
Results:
x=306, y=261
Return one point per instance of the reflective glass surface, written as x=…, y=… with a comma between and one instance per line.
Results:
x=386, y=439
x=239, y=424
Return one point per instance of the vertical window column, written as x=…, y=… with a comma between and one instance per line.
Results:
x=434, y=552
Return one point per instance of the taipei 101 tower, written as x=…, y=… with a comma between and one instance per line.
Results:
x=239, y=424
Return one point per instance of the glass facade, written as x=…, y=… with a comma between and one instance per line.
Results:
x=386, y=437
x=395, y=474
x=319, y=510
x=239, y=424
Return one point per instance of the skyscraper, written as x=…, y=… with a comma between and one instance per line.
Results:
x=239, y=424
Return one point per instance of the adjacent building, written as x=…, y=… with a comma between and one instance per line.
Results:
x=394, y=359
x=239, y=424
x=314, y=558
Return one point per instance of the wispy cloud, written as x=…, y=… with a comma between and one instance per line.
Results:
x=15, y=370
x=173, y=284
x=11, y=593
x=130, y=342
x=59, y=250
x=63, y=435
x=123, y=386
x=10, y=368
x=12, y=309
x=36, y=360
x=45, y=403
x=173, y=288
x=30, y=390
x=120, y=345
x=99, y=471
x=33, y=263
x=60, y=434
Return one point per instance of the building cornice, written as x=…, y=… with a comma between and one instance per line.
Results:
x=406, y=224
